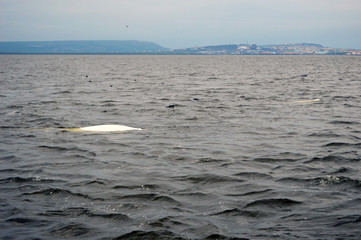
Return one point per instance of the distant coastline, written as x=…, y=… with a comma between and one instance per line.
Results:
x=80, y=47
x=132, y=47
x=276, y=49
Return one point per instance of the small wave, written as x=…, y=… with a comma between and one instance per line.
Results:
x=217, y=236
x=71, y=230
x=111, y=216
x=58, y=191
x=8, y=170
x=25, y=180
x=344, y=97
x=28, y=221
x=274, y=160
x=273, y=203
x=96, y=182
x=108, y=104
x=342, y=144
x=326, y=135
x=192, y=194
x=332, y=158
x=250, y=193
x=342, y=170
x=209, y=159
x=9, y=158
x=352, y=219
x=76, y=212
x=166, y=222
x=47, y=102
x=253, y=175
x=208, y=179
x=328, y=180
x=60, y=149
x=14, y=107
x=43, y=121
x=145, y=186
x=238, y=212
x=63, y=92
x=20, y=220
x=292, y=180
x=69, y=212
x=344, y=122
x=191, y=118
x=41, y=102
x=67, y=149
x=142, y=235
x=152, y=197
x=10, y=127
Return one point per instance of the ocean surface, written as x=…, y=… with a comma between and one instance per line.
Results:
x=232, y=147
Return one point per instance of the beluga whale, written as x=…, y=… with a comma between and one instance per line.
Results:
x=309, y=101
x=103, y=128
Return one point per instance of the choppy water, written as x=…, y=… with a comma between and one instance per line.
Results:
x=226, y=151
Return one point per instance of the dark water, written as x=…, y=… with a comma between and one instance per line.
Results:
x=226, y=151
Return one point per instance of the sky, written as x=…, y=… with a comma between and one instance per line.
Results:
x=185, y=23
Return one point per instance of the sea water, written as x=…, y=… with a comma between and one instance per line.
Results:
x=231, y=147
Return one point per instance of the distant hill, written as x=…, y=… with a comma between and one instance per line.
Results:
x=274, y=49
x=78, y=47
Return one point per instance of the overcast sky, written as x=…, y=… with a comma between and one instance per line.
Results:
x=185, y=23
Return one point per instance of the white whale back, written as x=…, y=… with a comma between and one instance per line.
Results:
x=108, y=128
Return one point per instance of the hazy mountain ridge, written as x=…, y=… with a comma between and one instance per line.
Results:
x=101, y=46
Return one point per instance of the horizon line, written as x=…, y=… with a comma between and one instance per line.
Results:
x=219, y=44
